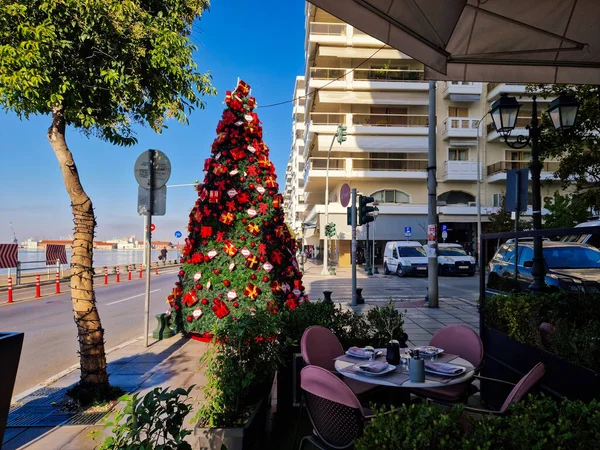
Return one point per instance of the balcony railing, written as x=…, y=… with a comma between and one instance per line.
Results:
x=327, y=119
x=403, y=165
x=319, y=163
x=492, y=86
x=388, y=75
x=390, y=120
x=522, y=122
x=327, y=73
x=463, y=83
x=460, y=123
x=503, y=166
x=328, y=29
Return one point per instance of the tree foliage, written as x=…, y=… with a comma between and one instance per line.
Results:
x=110, y=64
x=565, y=211
x=578, y=150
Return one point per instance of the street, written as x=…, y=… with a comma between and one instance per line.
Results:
x=50, y=344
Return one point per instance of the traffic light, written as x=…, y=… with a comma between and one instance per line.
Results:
x=330, y=229
x=364, y=210
x=349, y=216
x=341, y=133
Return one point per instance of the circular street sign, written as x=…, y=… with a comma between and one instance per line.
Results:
x=345, y=195
x=162, y=169
x=152, y=227
x=178, y=234
x=444, y=235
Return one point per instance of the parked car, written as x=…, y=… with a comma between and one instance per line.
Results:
x=590, y=239
x=453, y=260
x=569, y=266
x=404, y=258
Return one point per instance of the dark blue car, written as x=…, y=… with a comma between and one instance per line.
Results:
x=569, y=266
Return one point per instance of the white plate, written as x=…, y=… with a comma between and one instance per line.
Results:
x=438, y=350
x=462, y=370
x=356, y=356
x=389, y=369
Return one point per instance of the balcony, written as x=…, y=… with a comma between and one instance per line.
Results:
x=463, y=91
x=328, y=29
x=388, y=165
x=497, y=171
x=460, y=127
x=330, y=77
x=391, y=124
x=514, y=89
x=520, y=128
x=459, y=171
x=388, y=79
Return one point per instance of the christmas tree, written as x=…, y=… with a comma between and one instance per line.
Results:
x=239, y=256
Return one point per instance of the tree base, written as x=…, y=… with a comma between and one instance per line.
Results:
x=87, y=394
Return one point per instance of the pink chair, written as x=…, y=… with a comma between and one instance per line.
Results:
x=464, y=342
x=335, y=412
x=319, y=347
x=518, y=392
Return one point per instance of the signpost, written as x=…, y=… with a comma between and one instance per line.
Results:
x=345, y=195
x=178, y=234
x=444, y=232
x=517, y=182
x=152, y=171
x=407, y=232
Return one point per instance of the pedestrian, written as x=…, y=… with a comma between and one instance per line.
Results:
x=163, y=255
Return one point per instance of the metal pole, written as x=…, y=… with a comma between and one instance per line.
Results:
x=353, y=252
x=373, y=261
x=325, y=270
x=478, y=241
x=432, y=203
x=517, y=227
x=538, y=270
x=302, y=251
x=148, y=246
x=367, y=254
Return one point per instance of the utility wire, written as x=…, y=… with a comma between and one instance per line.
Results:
x=325, y=85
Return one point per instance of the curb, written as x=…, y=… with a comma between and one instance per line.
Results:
x=67, y=371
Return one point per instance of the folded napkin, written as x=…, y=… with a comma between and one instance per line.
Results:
x=427, y=351
x=357, y=351
x=449, y=369
x=374, y=366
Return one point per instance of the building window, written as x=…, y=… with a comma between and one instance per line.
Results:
x=458, y=111
x=456, y=198
x=391, y=196
x=458, y=154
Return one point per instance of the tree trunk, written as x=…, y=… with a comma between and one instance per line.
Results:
x=89, y=329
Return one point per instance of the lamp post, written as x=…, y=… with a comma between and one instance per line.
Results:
x=563, y=113
x=375, y=213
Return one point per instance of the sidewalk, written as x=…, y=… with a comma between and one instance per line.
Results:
x=41, y=420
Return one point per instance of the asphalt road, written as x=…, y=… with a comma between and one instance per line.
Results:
x=50, y=344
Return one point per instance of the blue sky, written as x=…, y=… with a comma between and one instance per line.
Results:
x=261, y=43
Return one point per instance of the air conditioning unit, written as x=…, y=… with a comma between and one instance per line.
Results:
x=472, y=203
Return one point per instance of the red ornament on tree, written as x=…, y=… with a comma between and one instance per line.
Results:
x=216, y=271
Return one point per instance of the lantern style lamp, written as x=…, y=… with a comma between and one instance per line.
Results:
x=563, y=112
x=504, y=113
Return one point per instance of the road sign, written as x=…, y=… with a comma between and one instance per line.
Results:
x=345, y=195
x=162, y=169
x=431, y=233
x=444, y=228
x=159, y=201
x=152, y=227
x=407, y=231
x=178, y=234
x=444, y=235
x=517, y=182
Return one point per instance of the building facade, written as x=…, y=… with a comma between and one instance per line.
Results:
x=381, y=96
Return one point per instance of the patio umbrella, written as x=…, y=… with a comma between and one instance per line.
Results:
x=541, y=41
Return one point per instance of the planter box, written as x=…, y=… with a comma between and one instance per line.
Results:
x=10, y=353
x=508, y=359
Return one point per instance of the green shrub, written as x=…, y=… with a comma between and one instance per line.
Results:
x=413, y=427
x=537, y=423
x=386, y=323
x=153, y=421
x=575, y=318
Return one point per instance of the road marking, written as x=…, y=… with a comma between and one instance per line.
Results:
x=129, y=298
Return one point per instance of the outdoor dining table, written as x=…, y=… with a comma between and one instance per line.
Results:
x=400, y=377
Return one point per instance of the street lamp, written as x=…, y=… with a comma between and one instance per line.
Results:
x=375, y=213
x=563, y=113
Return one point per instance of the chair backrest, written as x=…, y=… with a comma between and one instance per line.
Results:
x=335, y=412
x=460, y=340
x=525, y=385
x=319, y=347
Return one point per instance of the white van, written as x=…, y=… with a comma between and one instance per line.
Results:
x=590, y=239
x=404, y=258
x=452, y=259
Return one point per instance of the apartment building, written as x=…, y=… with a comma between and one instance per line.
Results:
x=380, y=94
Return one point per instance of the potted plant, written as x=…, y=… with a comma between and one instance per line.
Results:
x=10, y=353
x=239, y=370
x=386, y=324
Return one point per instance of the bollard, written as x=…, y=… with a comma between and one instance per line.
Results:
x=156, y=268
x=38, y=292
x=163, y=331
x=359, y=298
x=118, y=274
x=10, y=299
x=57, y=283
x=105, y=275
x=327, y=297
x=141, y=270
x=129, y=273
